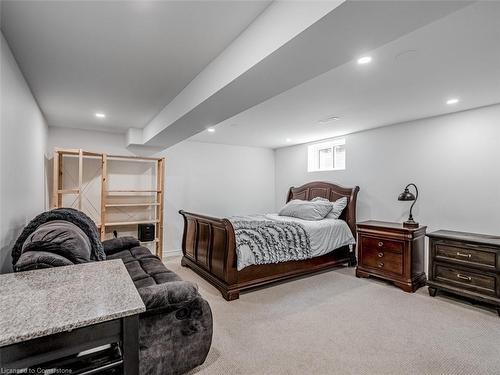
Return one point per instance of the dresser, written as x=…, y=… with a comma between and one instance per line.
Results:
x=392, y=252
x=465, y=264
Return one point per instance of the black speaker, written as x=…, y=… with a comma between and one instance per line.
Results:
x=146, y=232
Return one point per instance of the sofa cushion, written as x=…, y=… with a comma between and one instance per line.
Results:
x=116, y=245
x=157, y=285
x=62, y=238
x=70, y=215
x=32, y=260
x=144, y=268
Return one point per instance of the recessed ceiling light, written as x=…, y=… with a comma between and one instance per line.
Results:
x=365, y=60
x=100, y=115
x=210, y=130
x=329, y=119
x=288, y=139
x=452, y=101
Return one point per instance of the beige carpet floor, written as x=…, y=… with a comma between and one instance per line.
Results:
x=335, y=323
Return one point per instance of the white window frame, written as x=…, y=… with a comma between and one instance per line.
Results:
x=313, y=155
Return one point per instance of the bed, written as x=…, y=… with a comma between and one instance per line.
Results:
x=209, y=246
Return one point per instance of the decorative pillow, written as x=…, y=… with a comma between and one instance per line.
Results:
x=320, y=199
x=338, y=206
x=306, y=210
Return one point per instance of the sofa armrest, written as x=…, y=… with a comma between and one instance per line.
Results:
x=171, y=294
x=175, y=339
x=116, y=245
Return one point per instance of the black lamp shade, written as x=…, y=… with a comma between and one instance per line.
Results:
x=406, y=196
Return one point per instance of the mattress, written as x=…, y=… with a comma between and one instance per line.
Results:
x=324, y=236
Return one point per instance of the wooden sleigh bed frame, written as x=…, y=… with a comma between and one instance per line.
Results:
x=209, y=248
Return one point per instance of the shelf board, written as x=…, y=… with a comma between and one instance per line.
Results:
x=76, y=152
x=68, y=191
x=133, y=191
x=121, y=223
x=145, y=204
x=133, y=158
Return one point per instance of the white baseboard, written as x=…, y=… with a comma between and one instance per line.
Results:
x=172, y=253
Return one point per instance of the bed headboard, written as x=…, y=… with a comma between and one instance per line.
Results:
x=331, y=192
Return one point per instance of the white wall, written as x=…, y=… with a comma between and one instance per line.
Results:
x=22, y=160
x=453, y=159
x=213, y=179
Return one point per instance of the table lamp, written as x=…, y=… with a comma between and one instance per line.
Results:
x=406, y=195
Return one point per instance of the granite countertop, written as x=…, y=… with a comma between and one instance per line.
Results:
x=47, y=301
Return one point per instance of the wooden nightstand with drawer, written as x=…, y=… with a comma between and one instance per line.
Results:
x=392, y=252
x=465, y=264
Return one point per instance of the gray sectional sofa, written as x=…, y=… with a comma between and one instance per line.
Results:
x=175, y=332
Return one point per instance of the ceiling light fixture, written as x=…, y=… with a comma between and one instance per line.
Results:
x=364, y=60
x=100, y=115
x=452, y=101
x=210, y=130
x=288, y=139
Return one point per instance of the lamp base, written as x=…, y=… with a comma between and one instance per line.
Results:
x=410, y=224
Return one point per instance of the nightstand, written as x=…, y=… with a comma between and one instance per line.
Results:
x=465, y=264
x=392, y=252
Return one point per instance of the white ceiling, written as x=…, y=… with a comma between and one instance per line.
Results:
x=130, y=59
x=126, y=58
x=409, y=78
x=345, y=31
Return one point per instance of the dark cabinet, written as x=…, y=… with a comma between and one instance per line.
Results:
x=392, y=252
x=465, y=264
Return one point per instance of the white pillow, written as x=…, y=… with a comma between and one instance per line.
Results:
x=320, y=199
x=306, y=210
x=337, y=206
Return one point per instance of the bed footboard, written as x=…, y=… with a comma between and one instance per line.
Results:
x=208, y=247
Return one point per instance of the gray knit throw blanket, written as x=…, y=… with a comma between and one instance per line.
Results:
x=271, y=241
x=68, y=214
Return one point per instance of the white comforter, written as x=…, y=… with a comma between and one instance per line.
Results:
x=325, y=236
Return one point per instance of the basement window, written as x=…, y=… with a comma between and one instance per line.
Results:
x=326, y=156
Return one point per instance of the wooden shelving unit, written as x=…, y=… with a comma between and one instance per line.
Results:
x=155, y=195
x=132, y=191
x=132, y=204
x=122, y=223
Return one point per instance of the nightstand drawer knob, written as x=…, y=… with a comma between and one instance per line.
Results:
x=380, y=255
x=463, y=255
x=464, y=277
x=381, y=264
x=380, y=244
